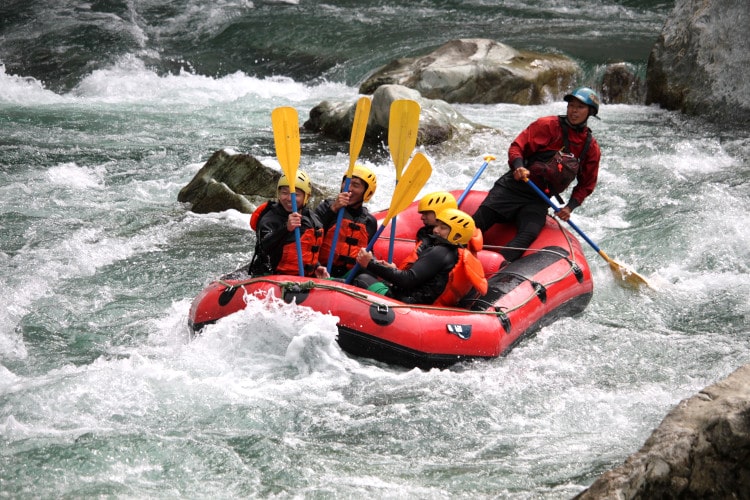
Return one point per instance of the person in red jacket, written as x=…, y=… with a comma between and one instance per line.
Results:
x=552, y=151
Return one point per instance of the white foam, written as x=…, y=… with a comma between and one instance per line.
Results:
x=76, y=177
x=18, y=89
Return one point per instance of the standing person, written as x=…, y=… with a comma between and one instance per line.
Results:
x=432, y=278
x=274, y=224
x=358, y=225
x=552, y=151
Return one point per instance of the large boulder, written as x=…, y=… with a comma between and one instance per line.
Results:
x=480, y=71
x=621, y=85
x=439, y=121
x=699, y=65
x=230, y=180
x=700, y=450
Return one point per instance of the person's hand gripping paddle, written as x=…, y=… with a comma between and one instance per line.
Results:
x=417, y=174
x=359, y=127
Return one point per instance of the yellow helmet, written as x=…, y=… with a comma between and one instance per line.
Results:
x=368, y=177
x=302, y=182
x=461, y=224
x=437, y=202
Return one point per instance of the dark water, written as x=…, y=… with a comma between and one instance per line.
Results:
x=60, y=42
x=107, y=109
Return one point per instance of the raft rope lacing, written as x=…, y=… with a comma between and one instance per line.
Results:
x=306, y=286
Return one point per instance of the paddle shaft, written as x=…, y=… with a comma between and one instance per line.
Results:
x=416, y=177
x=557, y=209
x=487, y=160
x=359, y=128
x=297, y=235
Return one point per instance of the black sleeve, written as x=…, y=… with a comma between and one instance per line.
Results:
x=272, y=232
x=430, y=263
x=372, y=227
x=325, y=215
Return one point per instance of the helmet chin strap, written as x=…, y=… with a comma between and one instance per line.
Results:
x=578, y=128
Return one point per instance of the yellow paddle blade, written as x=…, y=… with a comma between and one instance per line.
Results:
x=359, y=127
x=286, y=138
x=624, y=274
x=417, y=174
x=403, y=125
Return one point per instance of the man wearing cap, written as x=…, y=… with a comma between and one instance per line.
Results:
x=552, y=151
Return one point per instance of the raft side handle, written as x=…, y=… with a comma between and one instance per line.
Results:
x=540, y=291
x=381, y=314
x=504, y=319
x=577, y=271
x=226, y=296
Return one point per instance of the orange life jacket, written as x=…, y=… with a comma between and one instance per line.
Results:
x=352, y=236
x=255, y=217
x=311, y=240
x=468, y=273
x=412, y=258
x=414, y=255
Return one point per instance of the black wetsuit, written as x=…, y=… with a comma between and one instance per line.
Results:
x=273, y=235
x=426, y=279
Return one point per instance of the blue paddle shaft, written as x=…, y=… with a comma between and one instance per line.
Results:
x=557, y=209
x=473, y=181
x=297, y=238
x=339, y=220
x=393, y=240
x=357, y=267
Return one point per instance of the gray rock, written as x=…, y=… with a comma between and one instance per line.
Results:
x=231, y=181
x=699, y=65
x=439, y=122
x=480, y=71
x=700, y=450
x=620, y=85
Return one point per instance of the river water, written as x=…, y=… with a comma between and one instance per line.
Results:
x=108, y=110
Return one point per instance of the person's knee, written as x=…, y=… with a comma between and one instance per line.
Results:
x=364, y=280
x=371, y=283
x=484, y=218
x=527, y=234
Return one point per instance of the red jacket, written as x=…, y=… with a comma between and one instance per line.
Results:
x=545, y=134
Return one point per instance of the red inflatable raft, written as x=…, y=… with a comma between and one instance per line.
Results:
x=551, y=280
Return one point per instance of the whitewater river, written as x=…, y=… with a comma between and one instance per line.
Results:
x=103, y=394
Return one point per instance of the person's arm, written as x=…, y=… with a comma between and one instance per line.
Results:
x=587, y=177
x=272, y=231
x=325, y=214
x=430, y=263
x=540, y=135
